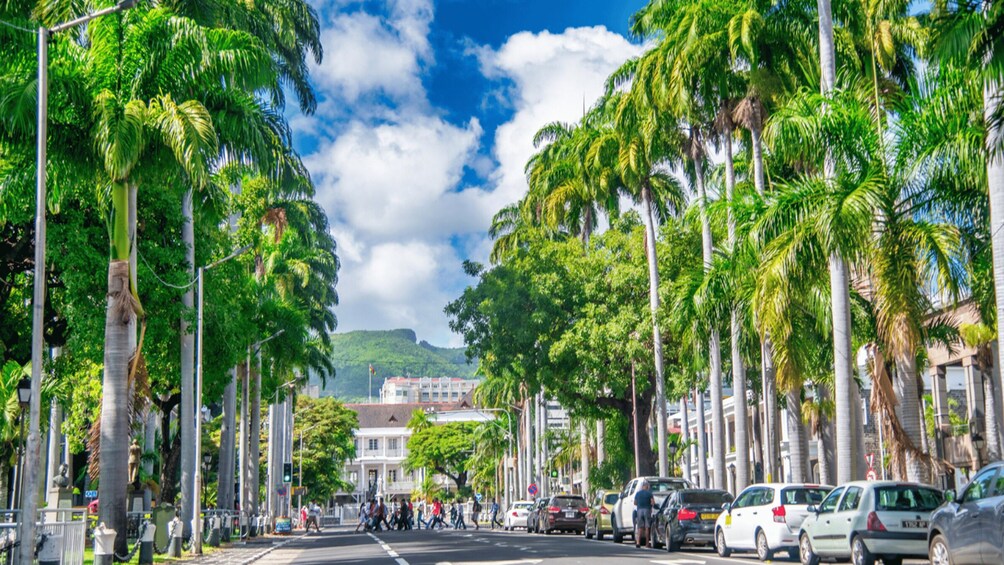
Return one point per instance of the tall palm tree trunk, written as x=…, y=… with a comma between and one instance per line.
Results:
x=254, y=449
x=839, y=279
x=120, y=321
x=738, y=366
x=584, y=457
x=995, y=182
x=653, y=303
x=796, y=435
x=990, y=391
x=702, y=441
x=187, y=410
x=908, y=412
x=714, y=343
x=601, y=448
x=685, y=438
x=225, y=479
x=825, y=445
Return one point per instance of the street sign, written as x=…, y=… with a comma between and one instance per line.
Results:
x=532, y=489
x=299, y=491
x=90, y=494
x=477, y=496
x=870, y=458
x=281, y=491
x=872, y=475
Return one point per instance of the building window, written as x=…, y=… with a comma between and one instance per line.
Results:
x=425, y=396
x=353, y=477
x=392, y=444
x=392, y=476
x=374, y=444
x=456, y=394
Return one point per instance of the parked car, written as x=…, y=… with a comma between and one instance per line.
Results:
x=515, y=515
x=533, y=515
x=869, y=520
x=766, y=518
x=562, y=513
x=967, y=529
x=687, y=517
x=598, y=518
x=622, y=516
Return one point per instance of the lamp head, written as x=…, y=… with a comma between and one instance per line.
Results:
x=24, y=392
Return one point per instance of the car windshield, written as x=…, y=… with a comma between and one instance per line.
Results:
x=568, y=501
x=611, y=498
x=666, y=486
x=523, y=505
x=803, y=495
x=710, y=497
x=907, y=498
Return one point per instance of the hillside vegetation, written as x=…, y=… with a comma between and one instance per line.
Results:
x=394, y=353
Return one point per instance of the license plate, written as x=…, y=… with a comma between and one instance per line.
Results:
x=570, y=514
x=709, y=516
x=915, y=524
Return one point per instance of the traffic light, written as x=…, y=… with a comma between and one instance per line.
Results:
x=554, y=473
x=287, y=472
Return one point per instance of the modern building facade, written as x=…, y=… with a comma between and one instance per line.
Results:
x=410, y=390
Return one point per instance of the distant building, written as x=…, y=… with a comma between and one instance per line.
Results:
x=424, y=390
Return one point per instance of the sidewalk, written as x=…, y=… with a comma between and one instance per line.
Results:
x=242, y=554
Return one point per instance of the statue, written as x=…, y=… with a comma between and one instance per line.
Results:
x=61, y=480
x=135, y=452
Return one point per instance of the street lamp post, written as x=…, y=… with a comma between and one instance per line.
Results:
x=200, y=337
x=207, y=459
x=671, y=450
x=23, y=400
x=29, y=506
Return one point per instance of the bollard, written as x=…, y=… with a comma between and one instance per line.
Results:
x=51, y=551
x=214, y=532
x=175, y=530
x=146, y=544
x=104, y=545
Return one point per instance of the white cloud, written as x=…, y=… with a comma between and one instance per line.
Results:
x=367, y=54
x=391, y=178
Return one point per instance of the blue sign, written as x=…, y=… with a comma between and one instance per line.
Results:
x=90, y=494
x=283, y=525
x=532, y=489
x=281, y=491
x=477, y=496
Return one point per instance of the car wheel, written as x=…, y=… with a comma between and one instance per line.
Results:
x=892, y=561
x=599, y=534
x=617, y=535
x=938, y=552
x=763, y=551
x=722, y=549
x=805, y=553
x=671, y=545
x=859, y=552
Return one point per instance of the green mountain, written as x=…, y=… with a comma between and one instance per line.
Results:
x=395, y=353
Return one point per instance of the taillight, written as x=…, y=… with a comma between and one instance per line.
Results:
x=516, y=514
x=583, y=510
x=686, y=514
x=874, y=524
x=553, y=509
x=779, y=513
x=603, y=510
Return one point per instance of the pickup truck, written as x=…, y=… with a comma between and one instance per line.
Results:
x=622, y=517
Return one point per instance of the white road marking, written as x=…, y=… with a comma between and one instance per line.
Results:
x=512, y=562
x=393, y=554
x=678, y=561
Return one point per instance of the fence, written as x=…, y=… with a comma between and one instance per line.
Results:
x=61, y=532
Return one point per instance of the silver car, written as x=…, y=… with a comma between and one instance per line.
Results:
x=869, y=520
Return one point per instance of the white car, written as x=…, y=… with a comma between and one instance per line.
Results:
x=868, y=520
x=622, y=516
x=766, y=518
x=515, y=516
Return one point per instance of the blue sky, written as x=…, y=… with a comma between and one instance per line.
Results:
x=426, y=115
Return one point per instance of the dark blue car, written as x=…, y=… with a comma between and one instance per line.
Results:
x=687, y=517
x=969, y=529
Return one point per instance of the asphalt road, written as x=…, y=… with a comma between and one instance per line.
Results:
x=473, y=547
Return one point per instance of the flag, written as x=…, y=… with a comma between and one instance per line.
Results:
x=372, y=370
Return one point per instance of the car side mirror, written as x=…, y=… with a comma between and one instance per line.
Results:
x=727, y=507
x=812, y=509
x=950, y=495
x=623, y=495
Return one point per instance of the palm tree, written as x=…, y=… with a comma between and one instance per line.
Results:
x=631, y=153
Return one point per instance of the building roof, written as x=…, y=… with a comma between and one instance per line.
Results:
x=397, y=415
x=416, y=380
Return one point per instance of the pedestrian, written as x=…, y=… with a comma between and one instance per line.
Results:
x=643, y=503
x=494, y=509
x=421, y=514
x=437, y=514
x=384, y=514
x=363, y=517
x=375, y=517
x=410, y=523
x=476, y=513
x=303, y=517
x=314, y=516
x=460, y=516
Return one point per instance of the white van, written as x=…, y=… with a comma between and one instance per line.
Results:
x=622, y=517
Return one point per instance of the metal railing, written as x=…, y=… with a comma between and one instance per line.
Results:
x=61, y=532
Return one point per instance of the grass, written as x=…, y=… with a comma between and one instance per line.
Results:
x=157, y=558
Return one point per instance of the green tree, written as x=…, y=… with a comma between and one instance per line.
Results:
x=446, y=449
x=327, y=428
